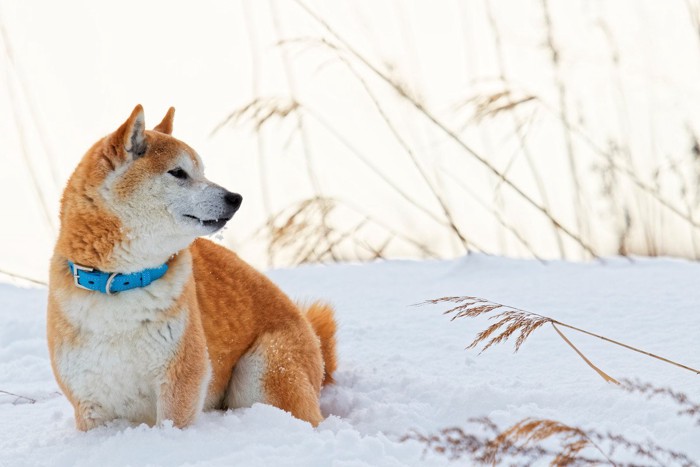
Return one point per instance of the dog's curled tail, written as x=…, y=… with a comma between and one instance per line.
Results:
x=320, y=315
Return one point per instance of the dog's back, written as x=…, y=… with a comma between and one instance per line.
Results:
x=244, y=313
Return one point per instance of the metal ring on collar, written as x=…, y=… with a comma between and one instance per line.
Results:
x=109, y=283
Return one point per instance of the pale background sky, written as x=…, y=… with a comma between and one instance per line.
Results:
x=72, y=71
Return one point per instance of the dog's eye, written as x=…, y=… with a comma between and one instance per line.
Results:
x=178, y=173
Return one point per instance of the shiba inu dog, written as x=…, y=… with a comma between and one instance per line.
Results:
x=148, y=323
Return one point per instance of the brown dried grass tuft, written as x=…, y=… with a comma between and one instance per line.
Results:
x=492, y=104
x=321, y=229
x=303, y=230
x=530, y=432
x=260, y=111
x=511, y=321
x=687, y=407
x=536, y=441
x=475, y=442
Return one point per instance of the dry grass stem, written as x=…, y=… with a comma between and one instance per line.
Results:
x=18, y=399
x=491, y=105
x=604, y=375
x=298, y=233
x=560, y=84
x=644, y=187
x=511, y=321
x=497, y=215
x=628, y=196
x=34, y=113
x=517, y=123
x=299, y=116
x=301, y=231
x=530, y=432
x=542, y=441
x=22, y=136
x=444, y=206
x=451, y=134
x=508, y=322
x=24, y=278
x=255, y=89
x=687, y=407
x=259, y=111
x=372, y=167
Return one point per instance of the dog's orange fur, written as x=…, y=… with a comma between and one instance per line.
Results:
x=230, y=308
x=231, y=283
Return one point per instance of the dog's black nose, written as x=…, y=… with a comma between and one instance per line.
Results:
x=234, y=200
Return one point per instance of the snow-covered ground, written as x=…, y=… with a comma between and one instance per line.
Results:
x=402, y=367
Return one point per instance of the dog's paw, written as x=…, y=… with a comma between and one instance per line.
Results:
x=89, y=415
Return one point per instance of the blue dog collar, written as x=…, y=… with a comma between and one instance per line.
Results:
x=111, y=282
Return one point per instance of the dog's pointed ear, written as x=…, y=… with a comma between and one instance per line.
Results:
x=130, y=140
x=166, y=126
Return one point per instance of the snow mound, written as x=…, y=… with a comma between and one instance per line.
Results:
x=402, y=367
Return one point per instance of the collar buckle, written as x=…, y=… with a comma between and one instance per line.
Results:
x=76, y=274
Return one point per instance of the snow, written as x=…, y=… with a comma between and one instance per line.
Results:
x=402, y=367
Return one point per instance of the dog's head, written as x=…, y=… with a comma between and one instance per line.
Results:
x=152, y=187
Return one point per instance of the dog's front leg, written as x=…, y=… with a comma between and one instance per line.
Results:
x=176, y=404
x=181, y=393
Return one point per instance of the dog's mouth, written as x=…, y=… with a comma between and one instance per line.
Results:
x=210, y=223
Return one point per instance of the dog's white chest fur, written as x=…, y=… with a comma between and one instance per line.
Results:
x=124, y=347
x=121, y=372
